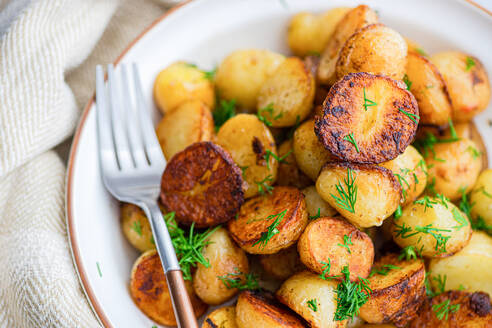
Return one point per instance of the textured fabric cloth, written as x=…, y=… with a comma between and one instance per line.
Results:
x=48, y=53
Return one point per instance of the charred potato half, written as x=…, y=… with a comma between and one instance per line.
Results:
x=317, y=206
x=481, y=197
x=288, y=173
x=136, y=227
x=283, y=264
x=367, y=118
x=224, y=317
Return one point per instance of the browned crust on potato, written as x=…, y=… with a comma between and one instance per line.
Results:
x=339, y=119
x=311, y=63
x=201, y=184
x=283, y=264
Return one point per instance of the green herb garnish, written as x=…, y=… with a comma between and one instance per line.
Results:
x=408, y=253
x=317, y=216
x=441, y=240
x=350, y=296
x=346, y=243
x=480, y=224
x=383, y=270
x=326, y=270
x=407, y=81
x=313, y=304
x=263, y=186
x=469, y=63
x=243, y=170
x=281, y=159
x=397, y=213
x=269, y=109
x=137, y=227
x=474, y=152
x=442, y=309
x=350, y=138
x=346, y=198
x=210, y=75
x=223, y=112
x=413, y=117
x=426, y=201
x=403, y=231
x=421, y=51
x=368, y=102
x=272, y=230
x=235, y=280
x=458, y=217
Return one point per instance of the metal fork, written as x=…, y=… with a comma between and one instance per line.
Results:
x=132, y=164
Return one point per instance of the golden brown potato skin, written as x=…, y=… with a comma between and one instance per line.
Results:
x=381, y=133
x=254, y=309
x=288, y=173
x=224, y=317
x=251, y=222
x=396, y=296
x=201, y=184
x=283, y=264
x=474, y=311
x=317, y=205
x=148, y=288
x=481, y=196
x=136, y=227
x=321, y=243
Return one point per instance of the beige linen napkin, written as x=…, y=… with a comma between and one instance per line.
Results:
x=47, y=60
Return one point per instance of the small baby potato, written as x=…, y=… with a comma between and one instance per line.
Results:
x=148, y=288
x=136, y=227
x=180, y=82
x=455, y=309
x=283, y=264
x=467, y=82
x=317, y=206
x=288, y=173
x=468, y=268
x=354, y=20
x=224, y=317
x=309, y=152
x=434, y=226
x=190, y=122
x=308, y=33
x=254, y=309
x=286, y=97
x=398, y=290
x=202, y=185
x=454, y=166
x=225, y=259
x=248, y=141
x=312, y=298
x=242, y=73
x=481, y=197
x=428, y=87
x=335, y=243
x=372, y=192
x=376, y=49
x=270, y=223
x=411, y=172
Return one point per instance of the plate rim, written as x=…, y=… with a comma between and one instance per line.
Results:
x=72, y=240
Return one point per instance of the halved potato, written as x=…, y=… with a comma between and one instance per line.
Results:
x=330, y=243
x=304, y=287
x=428, y=87
x=481, y=197
x=286, y=97
x=268, y=224
x=457, y=309
x=255, y=309
x=398, y=290
x=201, y=184
x=354, y=20
x=136, y=227
x=317, y=206
x=373, y=195
x=367, y=118
x=248, y=141
x=224, y=317
x=242, y=73
x=283, y=264
x=375, y=48
x=288, y=173
x=467, y=82
x=190, y=122
x=180, y=82
x=148, y=288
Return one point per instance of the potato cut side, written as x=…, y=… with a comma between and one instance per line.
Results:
x=288, y=173
x=148, y=288
x=398, y=290
x=136, y=227
x=255, y=309
x=270, y=223
x=316, y=206
x=367, y=119
x=364, y=194
x=224, y=317
x=283, y=264
x=202, y=185
x=329, y=244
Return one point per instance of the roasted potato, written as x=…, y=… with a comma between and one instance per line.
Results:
x=148, y=288
x=376, y=49
x=248, y=141
x=288, y=173
x=308, y=33
x=202, y=185
x=242, y=73
x=286, y=97
x=226, y=260
x=467, y=82
x=455, y=309
x=353, y=20
x=224, y=317
x=317, y=206
x=411, y=172
x=254, y=309
x=367, y=118
x=136, y=227
x=190, y=122
x=481, y=197
x=468, y=268
x=180, y=82
x=309, y=152
x=372, y=193
x=427, y=85
x=270, y=223
x=398, y=290
x=283, y=264
x=312, y=298
x=434, y=226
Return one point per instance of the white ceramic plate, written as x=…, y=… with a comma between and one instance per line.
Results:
x=203, y=32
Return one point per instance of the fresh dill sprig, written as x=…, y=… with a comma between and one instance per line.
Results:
x=350, y=296
x=240, y=280
x=137, y=227
x=243, y=170
x=317, y=216
x=402, y=180
x=326, y=270
x=346, y=199
x=469, y=63
x=271, y=231
x=426, y=144
x=313, y=305
x=458, y=217
x=223, y=112
x=383, y=270
x=263, y=186
x=407, y=81
x=474, y=152
x=269, y=109
x=281, y=159
x=347, y=241
x=441, y=240
x=210, y=75
x=452, y=131
x=443, y=309
x=483, y=191
x=413, y=117
x=404, y=231
x=397, y=213
x=421, y=51
x=426, y=201
x=408, y=253
x=350, y=138
x=368, y=102
x=480, y=224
